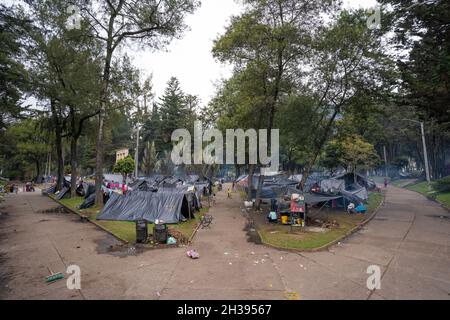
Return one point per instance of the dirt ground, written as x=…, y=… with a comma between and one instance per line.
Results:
x=409, y=240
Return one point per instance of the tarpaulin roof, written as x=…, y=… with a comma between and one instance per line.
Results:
x=169, y=207
x=332, y=185
x=310, y=198
x=356, y=192
x=349, y=179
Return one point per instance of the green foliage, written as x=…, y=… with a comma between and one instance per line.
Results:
x=442, y=185
x=13, y=75
x=24, y=148
x=350, y=152
x=124, y=166
x=400, y=162
x=173, y=109
x=423, y=58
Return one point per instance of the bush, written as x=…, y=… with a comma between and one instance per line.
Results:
x=442, y=185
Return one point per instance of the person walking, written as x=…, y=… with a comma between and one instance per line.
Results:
x=385, y=182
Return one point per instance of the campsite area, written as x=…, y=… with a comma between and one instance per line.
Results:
x=231, y=265
x=226, y=150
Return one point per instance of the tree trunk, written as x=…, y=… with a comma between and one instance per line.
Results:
x=99, y=156
x=259, y=189
x=317, y=150
x=250, y=182
x=101, y=125
x=73, y=155
x=58, y=144
x=73, y=165
x=38, y=169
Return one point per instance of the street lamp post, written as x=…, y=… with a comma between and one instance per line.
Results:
x=425, y=153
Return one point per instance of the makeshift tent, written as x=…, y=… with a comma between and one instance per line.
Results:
x=89, y=189
x=170, y=207
x=355, y=192
x=65, y=191
x=88, y=202
x=349, y=179
x=50, y=190
x=332, y=186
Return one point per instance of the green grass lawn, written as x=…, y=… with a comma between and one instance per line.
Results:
x=422, y=187
x=399, y=182
x=126, y=230
x=444, y=198
x=280, y=236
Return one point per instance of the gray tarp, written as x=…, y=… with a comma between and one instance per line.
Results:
x=62, y=193
x=332, y=185
x=355, y=191
x=142, y=205
x=313, y=198
x=88, y=202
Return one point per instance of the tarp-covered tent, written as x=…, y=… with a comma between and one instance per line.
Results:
x=50, y=190
x=356, y=192
x=85, y=189
x=65, y=191
x=349, y=179
x=88, y=202
x=170, y=207
x=332, y=186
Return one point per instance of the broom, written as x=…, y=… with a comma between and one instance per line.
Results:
x=53, y=276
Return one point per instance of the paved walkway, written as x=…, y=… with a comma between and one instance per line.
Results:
x=409, y=239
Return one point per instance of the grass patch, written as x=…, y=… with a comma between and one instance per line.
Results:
x=126, y=230
x=399, y=182
x=444, y=198
x=422, y=187
x=281, y=236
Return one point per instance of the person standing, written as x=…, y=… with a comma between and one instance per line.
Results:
x=385, y=182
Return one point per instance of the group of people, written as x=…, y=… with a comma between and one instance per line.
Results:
x=13, y=188
x=111, y=185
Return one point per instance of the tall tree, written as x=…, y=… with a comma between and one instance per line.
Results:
x=66, y=66
x=347, y=63
x=173, y=110
x=13, y=76
x=154, y=23
x=271, y=38
x=422, y=42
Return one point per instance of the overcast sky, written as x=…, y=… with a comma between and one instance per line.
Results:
x=190, y=59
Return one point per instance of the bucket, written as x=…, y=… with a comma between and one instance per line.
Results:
x=284, y=219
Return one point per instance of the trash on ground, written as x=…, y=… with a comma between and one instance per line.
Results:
x=193, y=254
x=171, y=240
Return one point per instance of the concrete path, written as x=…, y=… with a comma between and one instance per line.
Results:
x=409, y=240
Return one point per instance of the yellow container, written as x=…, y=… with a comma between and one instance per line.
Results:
x=284, y=219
